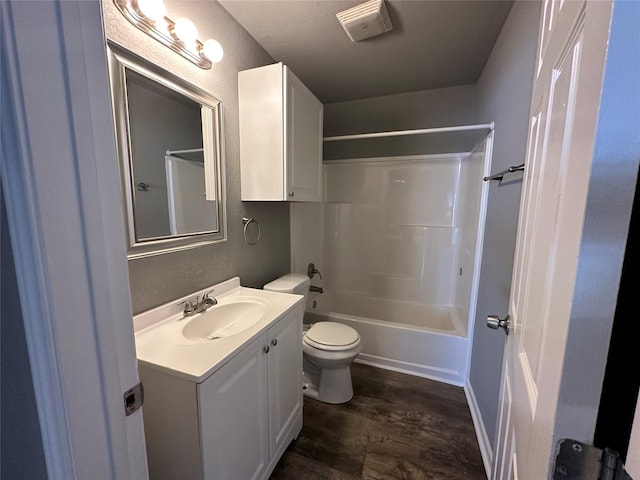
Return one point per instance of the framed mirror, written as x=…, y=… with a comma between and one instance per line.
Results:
x=170, y=144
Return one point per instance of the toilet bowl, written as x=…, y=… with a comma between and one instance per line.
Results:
x=328, y=349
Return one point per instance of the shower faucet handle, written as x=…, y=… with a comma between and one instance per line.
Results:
x=312, y=270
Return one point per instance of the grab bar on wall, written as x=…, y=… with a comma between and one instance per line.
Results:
x=499, y=175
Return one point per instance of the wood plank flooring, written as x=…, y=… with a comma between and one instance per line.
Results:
x=396, y=426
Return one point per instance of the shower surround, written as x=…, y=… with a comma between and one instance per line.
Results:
x=397, y=240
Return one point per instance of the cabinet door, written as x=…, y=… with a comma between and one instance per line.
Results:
x=285, y=380
x=261, y=121
x=233, y=416
x=303, y=150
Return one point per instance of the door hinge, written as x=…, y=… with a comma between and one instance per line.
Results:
x=133, y=399
x=580, y=461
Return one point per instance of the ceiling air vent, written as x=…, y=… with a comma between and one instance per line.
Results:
x=366, y=20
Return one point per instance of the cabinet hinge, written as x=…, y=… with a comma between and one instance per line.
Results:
x=580, y=461
x=133, y=399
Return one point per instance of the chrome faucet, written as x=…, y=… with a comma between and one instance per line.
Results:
x=198, y=306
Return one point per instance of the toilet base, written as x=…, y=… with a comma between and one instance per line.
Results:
x=328, y=385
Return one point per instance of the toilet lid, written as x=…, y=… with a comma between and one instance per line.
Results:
x=329, y=335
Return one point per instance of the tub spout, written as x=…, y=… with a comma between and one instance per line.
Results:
x=313, y=288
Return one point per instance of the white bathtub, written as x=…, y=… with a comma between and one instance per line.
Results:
x=407, y=337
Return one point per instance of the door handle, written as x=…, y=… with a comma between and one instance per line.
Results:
x=495, y=322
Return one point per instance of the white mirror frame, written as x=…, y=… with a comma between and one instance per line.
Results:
x=120, y=59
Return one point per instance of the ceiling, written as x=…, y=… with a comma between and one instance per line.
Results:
x=433, y=44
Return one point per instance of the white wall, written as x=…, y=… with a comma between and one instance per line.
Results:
x=504, y=96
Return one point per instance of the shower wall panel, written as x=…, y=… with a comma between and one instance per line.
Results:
x=391, y=228
x=468, y=216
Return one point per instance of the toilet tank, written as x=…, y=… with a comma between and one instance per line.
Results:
x=290, y=283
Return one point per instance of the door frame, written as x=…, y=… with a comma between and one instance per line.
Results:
x=60, y=179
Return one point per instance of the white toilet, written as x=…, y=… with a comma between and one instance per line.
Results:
x=328, y=349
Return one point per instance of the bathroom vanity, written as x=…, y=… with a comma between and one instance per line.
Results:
x=222, y=388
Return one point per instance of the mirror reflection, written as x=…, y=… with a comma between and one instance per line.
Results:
x=169, y=136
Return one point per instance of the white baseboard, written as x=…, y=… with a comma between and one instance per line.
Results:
x=483, y=440
x=450, y=377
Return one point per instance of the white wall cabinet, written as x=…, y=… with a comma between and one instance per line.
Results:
x=239, y=421
x=280, y=136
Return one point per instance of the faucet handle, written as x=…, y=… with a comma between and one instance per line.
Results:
x=206, y=295
x=188, y=305
x=312, y=270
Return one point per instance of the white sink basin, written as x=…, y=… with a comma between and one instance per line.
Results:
x=194, y=347
x=224, y=320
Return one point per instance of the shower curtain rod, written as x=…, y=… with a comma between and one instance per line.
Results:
x=393, y=133
x=189, y=150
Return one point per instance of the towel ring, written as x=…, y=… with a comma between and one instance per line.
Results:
x=248, y=221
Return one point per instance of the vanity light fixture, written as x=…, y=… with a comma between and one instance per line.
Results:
x=180, y=35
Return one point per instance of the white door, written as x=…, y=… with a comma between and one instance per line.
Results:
x=61, y=186
x=565, y=103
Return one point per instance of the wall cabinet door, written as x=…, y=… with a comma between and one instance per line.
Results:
x=280, y=136
x=233, y=406
x=285, y=381
x=304, y=117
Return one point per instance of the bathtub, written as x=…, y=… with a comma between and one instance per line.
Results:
x=428, y=341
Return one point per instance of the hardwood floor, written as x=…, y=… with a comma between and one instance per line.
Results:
x=396, y=426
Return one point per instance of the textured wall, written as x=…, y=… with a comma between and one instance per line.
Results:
x=504, y=97
x=159, y=279
x=441, y=107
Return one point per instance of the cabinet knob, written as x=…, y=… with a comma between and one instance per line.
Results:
x=291, y=194
x=274, y=342
x=266, y=349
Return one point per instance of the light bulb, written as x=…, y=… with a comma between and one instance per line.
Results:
x=154, y=10
x=213, y=50
x=186, y=31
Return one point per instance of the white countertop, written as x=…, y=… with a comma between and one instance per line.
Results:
x=160, y=344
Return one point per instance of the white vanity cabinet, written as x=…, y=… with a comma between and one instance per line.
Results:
x=280, y=136
x=235, y=424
